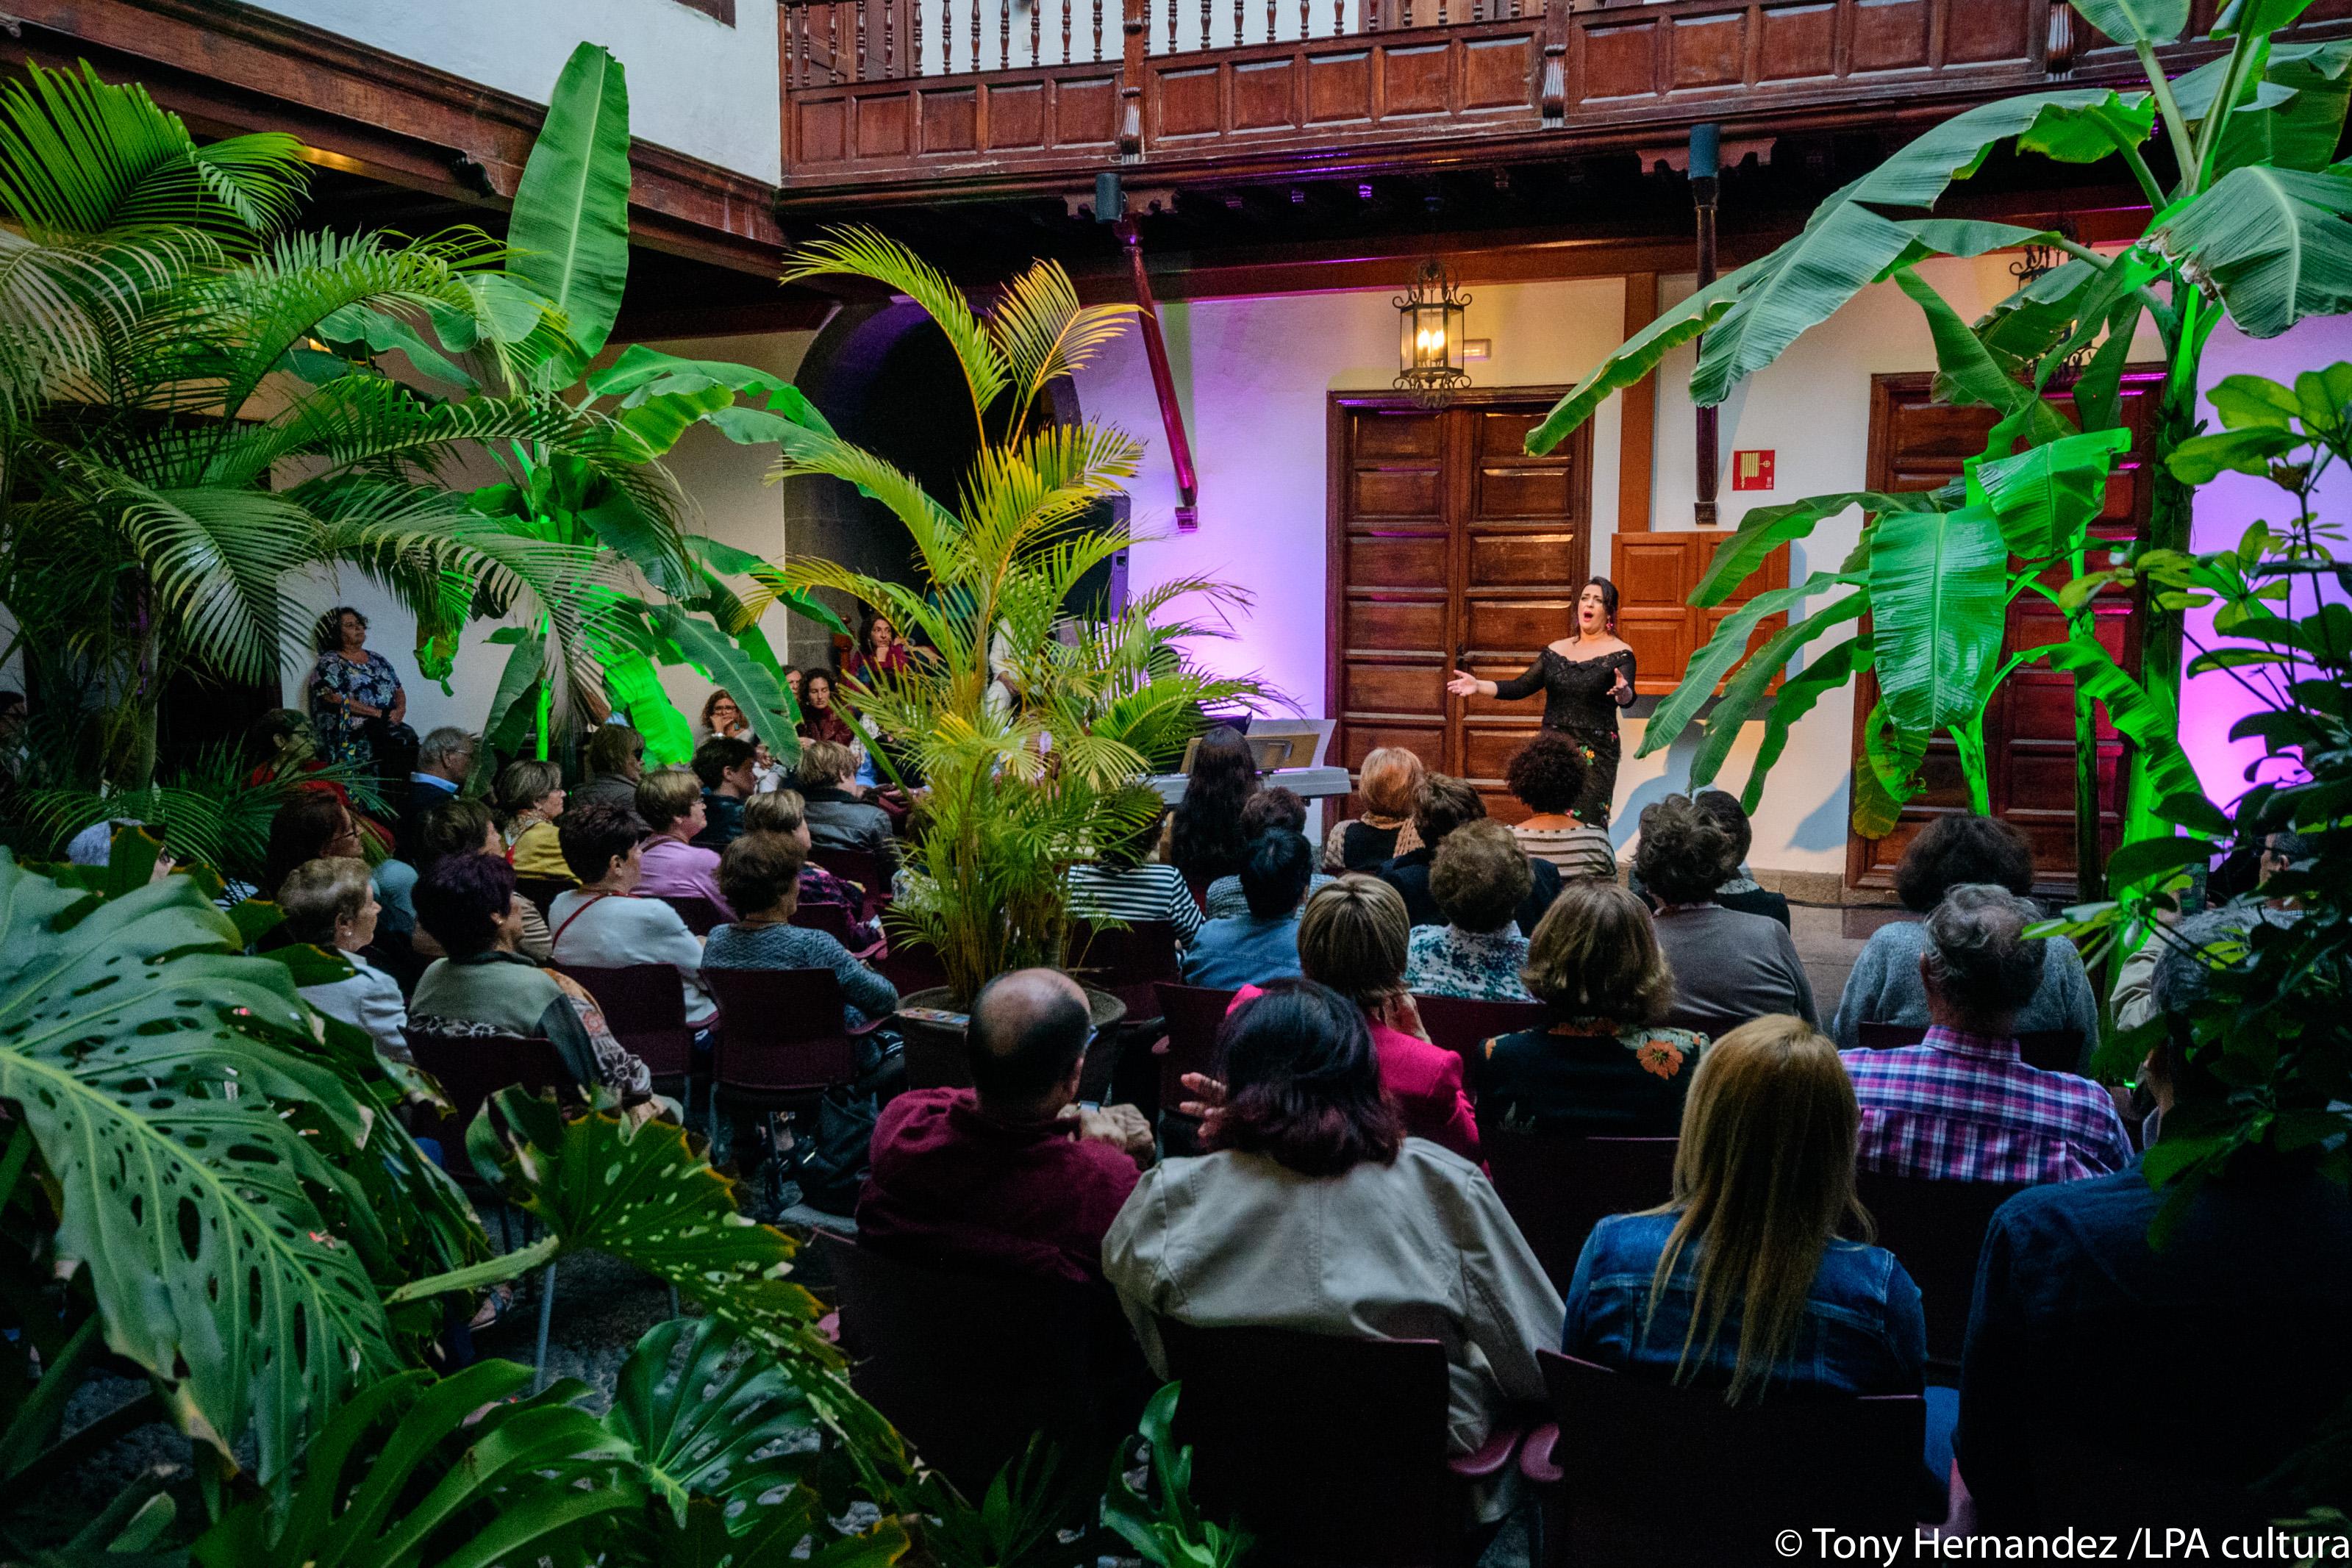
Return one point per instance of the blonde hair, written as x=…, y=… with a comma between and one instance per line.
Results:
x=825, y=762
x=1763, y=1175
x=666, y=794
x=777, y=811
x=1352, y=938
x=1390, y=781
x=1596, y=955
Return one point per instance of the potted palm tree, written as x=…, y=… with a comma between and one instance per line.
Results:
x=1029, y=728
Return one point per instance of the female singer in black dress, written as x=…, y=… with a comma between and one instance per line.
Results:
x=1585, y=678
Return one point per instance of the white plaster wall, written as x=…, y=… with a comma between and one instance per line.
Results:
x=695, y=85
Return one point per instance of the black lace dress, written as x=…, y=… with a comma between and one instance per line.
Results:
x=1578, y=703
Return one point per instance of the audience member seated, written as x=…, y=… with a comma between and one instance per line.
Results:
x=458, y=826
x=311, y=825
x=1741, y=1281
x=1120, y=885
x=444, y=760
x=1728, y=966
x=329, y=903
x=1388, y=784
x=1478, y=879
x=1885, y=987
x=1204, y=832
x=1605, y=1066
x=1352, y=938
x=1549, y=774
x=782, y=812
x=1960, y=1105
x=1251, y=949
x=1738, y=889
x=820, y=717
x=674, y=866
x=2168, y=1383
x=1316, y=1212
x=761, y=874
x=615, y=760
x=730, y=771
x=1446, y=804
x=598, y=926
x=2134, y=997
x=1012, y=1175
x=1270, y=808
x=469, y=905
x=531, y=797
x=838, y=816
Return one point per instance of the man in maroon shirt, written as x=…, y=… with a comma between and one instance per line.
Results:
x=1010, y=1177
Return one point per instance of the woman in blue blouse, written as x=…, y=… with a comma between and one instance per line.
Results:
x=1741, y=1281
x=351, y=687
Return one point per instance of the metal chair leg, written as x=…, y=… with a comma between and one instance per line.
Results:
x=546, y=1312
x=673, y=1300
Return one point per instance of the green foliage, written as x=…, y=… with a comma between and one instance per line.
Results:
x=1019, y=788
x=1166, y=1528
x=569, y=227
x=2252, y=226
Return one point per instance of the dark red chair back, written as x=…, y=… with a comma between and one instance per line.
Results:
x=1191, y=1014
x=1463, y=1024
x=1783, y=1464
x=542, y=891
x=911, y=966
x=2051, y=1050
x=1936, y=1230
x=701, y=914
x=860, y=867
x=967, y=1365
x=644, y=1007
x=1328, y=1449
x=834, y=922
x=780, y=1032
x=471, y=1068
x=1129, y=964
x=1557, y=1188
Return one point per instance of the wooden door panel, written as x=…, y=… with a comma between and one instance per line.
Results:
x=1447, y=541
x=1917, y=445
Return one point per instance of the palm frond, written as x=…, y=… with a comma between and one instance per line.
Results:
x=214, y=558
x=1044, y=333
x=861, y=252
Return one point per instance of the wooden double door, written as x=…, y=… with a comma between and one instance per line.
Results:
x=1448, y=545
x=1919, y=444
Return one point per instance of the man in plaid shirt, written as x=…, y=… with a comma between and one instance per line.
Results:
x=1962, y=1105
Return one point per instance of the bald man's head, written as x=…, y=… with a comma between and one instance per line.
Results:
x=1029, y=1029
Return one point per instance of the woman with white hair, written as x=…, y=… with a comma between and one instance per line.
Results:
x=330, y=903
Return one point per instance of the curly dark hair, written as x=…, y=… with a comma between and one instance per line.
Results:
x=1682, y=853
x=1547, y=773
x=1205, y=838
x=1724, y=810
x=462, y=900
x=329, y=633
x=1962, y=848
x=1302, y=1084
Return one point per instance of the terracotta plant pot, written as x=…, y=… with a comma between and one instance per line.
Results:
x=935, y=1048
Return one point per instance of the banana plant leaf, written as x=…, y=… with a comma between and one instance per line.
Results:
x=1765, y=529
x=1889, y=777
x=1826, y=672
x=2129, y=22
x=755, y=682
x=2296, y=116
x=2273, y=241
x=469, y=1466
x=382, y=331
x=513, y=705
x=1967, y=372
x=1939, y=604
x=1722, y=650
x=636, y=690
x=1744, y=690
x=190, y=1212
x=569, y=227
x=2145, y=719
x=2046, y=496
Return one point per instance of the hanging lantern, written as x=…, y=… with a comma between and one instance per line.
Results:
x=1431, y=321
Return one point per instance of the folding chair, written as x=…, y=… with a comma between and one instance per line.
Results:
x=1559, y=1187
x=1463, y=1024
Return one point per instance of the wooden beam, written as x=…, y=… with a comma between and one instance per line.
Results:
x=228, y=67
x=1637, y=415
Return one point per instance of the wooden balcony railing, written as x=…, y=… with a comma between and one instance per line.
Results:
x=885, y=100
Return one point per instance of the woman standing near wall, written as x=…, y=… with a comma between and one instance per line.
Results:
x=1585, y=677
x=355, y=693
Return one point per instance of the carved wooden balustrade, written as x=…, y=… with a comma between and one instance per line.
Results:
x=896, y=99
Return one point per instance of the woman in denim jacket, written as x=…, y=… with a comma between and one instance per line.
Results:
x=1741, y=1282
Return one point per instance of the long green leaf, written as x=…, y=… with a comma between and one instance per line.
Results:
x=1823, y=674
x=570, y=229
x=636, y=690
x=1636, y=358
x=1724, y=649
x=751, y=680
x=1765, y=529
x=2129, y=22
x=2046, y=496
x=1744, y=690
x=2273, y=241
x=1967, y=371
x=2143, y=716
x=1939, y=606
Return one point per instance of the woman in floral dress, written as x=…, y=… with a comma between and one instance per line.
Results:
x=350, y=686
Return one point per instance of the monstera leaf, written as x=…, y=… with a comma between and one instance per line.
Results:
x=699, y=1406
x=153, y=1068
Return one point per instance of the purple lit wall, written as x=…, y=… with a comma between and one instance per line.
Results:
x=2212, y=703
